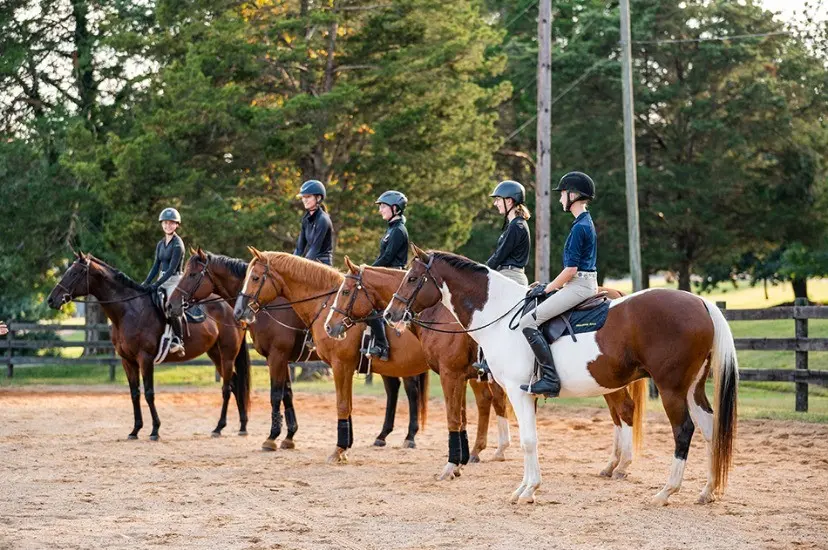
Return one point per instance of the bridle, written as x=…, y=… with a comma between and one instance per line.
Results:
x=187, y=296
x=70, y=285
x=253, y=300
x=347, y=318
x=408, y=315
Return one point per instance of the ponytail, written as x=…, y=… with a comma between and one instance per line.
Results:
x=522, y=211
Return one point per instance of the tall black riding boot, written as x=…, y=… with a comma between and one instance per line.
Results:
x=380, y=347
x=177, y=345
x=549, y=385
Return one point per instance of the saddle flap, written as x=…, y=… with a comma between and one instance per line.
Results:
x=588, y=320
x=196, y=314
x=592, y=302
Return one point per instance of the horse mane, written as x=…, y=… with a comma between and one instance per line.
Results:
x=119, y=276
x=460, y=262
x=236, y=266
x=314, y=273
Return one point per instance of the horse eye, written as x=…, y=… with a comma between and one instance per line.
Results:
x=346, y=292
x=254, y=278
x=412, y=279
x=192, y=274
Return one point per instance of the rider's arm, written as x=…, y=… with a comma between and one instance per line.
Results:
x=175, y=260
x=155, y=267
x=505, y=247
x=396, y=240
x=300, y=242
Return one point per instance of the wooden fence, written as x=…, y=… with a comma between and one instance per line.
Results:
x=800, y=344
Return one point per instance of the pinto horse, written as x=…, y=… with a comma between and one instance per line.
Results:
x=137, y=326
x=366, y=289
x=365, y=286
x=278, y=336
x=674, y=337
x=309, y=287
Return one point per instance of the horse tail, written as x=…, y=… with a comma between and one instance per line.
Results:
x=422, y=405
x=640, y=392
x=243, y=374
x=725, y=367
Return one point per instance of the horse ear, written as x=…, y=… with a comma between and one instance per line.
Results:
x=193, y=251
x=201, y=253
x=351, y=266
x=256, y=253
x=421, y=255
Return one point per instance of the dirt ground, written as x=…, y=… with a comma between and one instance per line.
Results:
x=70, y=479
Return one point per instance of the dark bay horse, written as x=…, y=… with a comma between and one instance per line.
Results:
x=674, y=337
x=137, y=326
x=310, y=287
x=366, y=289
x=278, y=336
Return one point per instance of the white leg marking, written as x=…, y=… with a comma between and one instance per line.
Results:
x=673, y=484
x=626, y=451
x=615, y=455
x=524, y=406
x=704, y=422
x=503, y=438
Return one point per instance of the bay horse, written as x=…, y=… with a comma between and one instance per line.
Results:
x=308, y=286
x=366, y=289
x=279, y=336
x=137, y=326
x=672, y=336
x=441, y=335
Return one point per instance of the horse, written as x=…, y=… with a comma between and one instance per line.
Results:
x=308, y=286
x=278, y=336
x=671, y=336
x=365, y=286
x=367, y=289
x=137, y=327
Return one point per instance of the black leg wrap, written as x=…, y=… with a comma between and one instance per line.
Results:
x=455, y=455
x=350, y=432
x=290, y=420
x=275, y=413
x=464, y=447
x=342, y=433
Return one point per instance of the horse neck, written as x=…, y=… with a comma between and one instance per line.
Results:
x=383, y=284
x=227, y=285
x=296, y=289
x=107, y=290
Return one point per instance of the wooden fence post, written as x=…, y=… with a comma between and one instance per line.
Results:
x=801, y=326
x=10, y=363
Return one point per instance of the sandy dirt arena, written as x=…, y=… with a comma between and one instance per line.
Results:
x=70, y=479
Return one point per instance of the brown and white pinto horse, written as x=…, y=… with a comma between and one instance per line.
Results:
x=444, y=342
x=366, y=289
x=672, y=336
x=310, y=287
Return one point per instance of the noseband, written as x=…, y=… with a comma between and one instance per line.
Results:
x=408, y=315
x=253, y=301
x=66, y=297
x=347, y=318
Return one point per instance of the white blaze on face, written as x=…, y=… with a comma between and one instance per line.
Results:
x=247, y=277
x=335, y=305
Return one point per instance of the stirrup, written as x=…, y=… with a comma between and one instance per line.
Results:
x=377, y=352
x=484, y=374
x=177, y=347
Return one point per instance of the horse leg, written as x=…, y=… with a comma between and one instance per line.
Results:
x=412, y=391
x=675, y=405
x=133, y=376
x=290, y=416
x=454, y=387
x=504, y=438
x=483, y=399
x=343, y=380
x=392, y=392
x=278, y=369
x=621, y=408
x=524, y=406
x=147, y=371
x=225, y=368
x=702, y=414
x=464, y=435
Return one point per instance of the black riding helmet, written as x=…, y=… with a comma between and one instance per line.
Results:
x=312, y=187
x=578, y=182
x=510, y=189
x=392, y=199
x=169, y=215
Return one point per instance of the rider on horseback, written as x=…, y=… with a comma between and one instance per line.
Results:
x=316, y=236
x=393, y=253
x=168, y=266
x=577, y=282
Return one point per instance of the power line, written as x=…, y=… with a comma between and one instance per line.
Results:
x=712, y=38
x=518, y=16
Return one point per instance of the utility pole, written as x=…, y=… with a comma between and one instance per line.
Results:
x=543, y=168
x=629, y=149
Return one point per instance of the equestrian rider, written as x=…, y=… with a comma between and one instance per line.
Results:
x=316, y=236
x=168, y=266
x=512, y=253
x=577, y=282
x=393, y=253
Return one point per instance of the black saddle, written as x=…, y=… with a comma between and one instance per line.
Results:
x=588, y=316
x=194, y=314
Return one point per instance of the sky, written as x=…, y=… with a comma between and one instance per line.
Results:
x=787, y=8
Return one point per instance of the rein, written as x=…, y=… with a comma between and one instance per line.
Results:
x=346, y=313
x=67, y=292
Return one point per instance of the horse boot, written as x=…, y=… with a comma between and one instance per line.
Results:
x=380, y=347
x=549, y=384
x=177, y=344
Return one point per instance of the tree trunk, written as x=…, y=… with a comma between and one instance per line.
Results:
x=94, y=315
x=645, y=280
x=684, y=276
x=800, y=287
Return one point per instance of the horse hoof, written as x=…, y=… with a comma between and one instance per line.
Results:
x=526, y=500
x=450, y=471
x=269, y=445
x=409, y=444
x=474, y=459
x=242, y=433
x=379, y=442
x=499, y=457
x=705, y=499
x=619, y=475
x=132, y=436
x=659, y=500
x=154, y=437
x=215, y=434
x=606, y=472
x=288, y=444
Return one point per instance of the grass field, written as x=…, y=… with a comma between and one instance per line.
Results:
x=757, y=399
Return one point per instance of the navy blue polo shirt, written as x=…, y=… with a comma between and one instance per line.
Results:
x=581, y=248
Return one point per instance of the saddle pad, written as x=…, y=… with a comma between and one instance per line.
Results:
x=196, y=314
x=589, y=320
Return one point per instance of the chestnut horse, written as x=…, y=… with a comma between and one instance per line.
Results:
x=367, y=289
x=278, y=336
x=309, y=286
x=137, y=326
x=674, y=337
x=368, y=286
